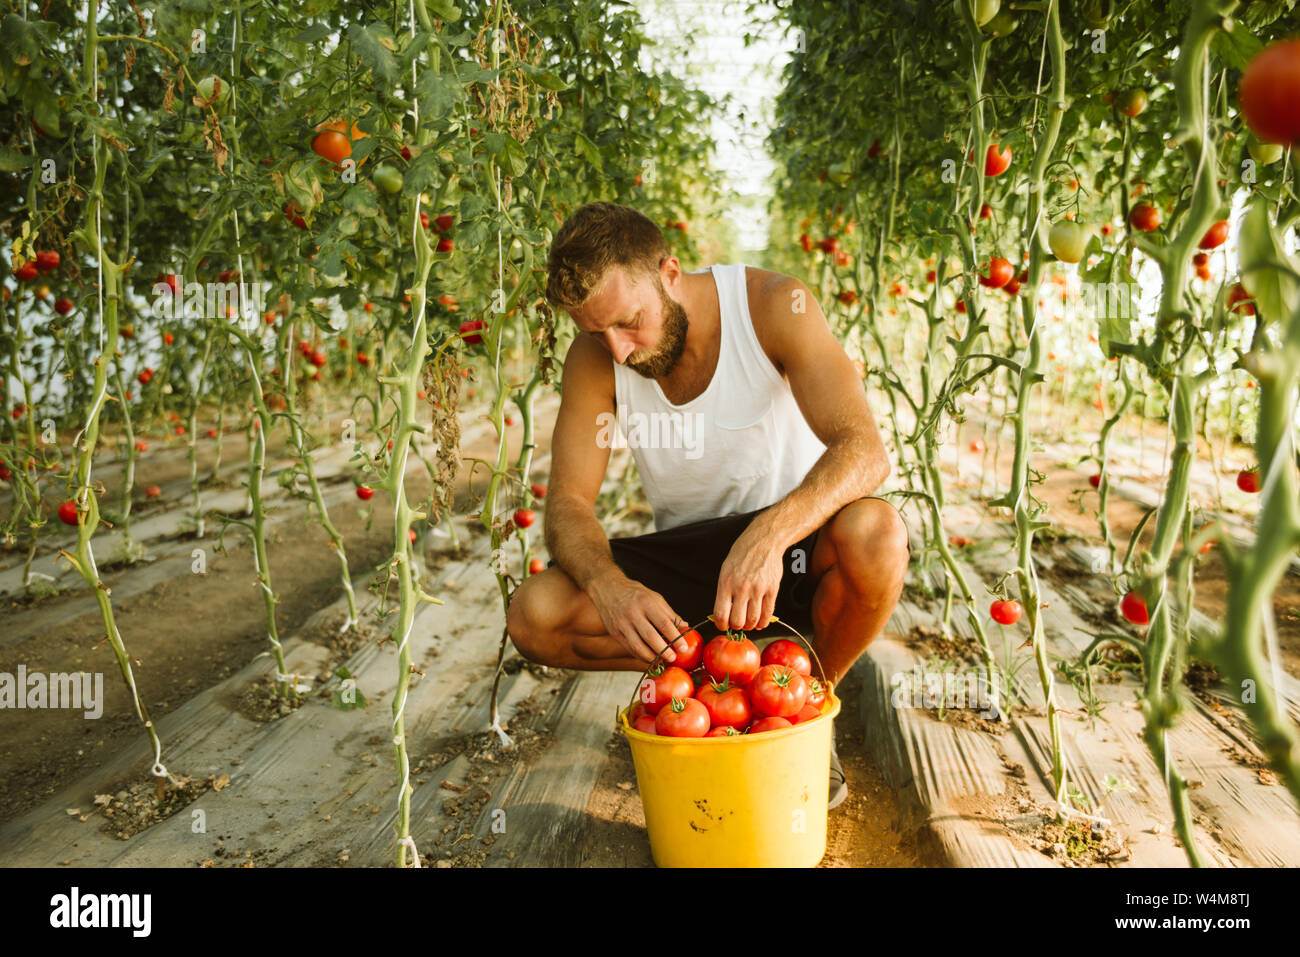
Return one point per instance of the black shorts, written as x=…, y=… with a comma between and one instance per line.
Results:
x=683, y=564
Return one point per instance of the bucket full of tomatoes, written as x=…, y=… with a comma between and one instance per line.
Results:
x=732, y=752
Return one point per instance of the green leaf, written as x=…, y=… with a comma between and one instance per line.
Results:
x=437, y=94
x=313, y=34
x=513, y=161
x=361, y=201
x=442, y=9
x=11, y=161
x=1267, y=272
x=587, y=150
x=471, y=207
x=375, y=45
x=347, y=697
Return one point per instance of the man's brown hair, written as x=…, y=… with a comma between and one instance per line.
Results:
x=595, y=237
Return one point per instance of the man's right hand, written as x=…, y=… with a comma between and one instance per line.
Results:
x=637, y=617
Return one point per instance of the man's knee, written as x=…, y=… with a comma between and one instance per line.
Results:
x=524, y=621
x=870, y=530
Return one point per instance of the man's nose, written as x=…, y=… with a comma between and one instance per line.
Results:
x=619, y=348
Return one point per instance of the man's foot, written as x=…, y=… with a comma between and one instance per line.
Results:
x=839, y=788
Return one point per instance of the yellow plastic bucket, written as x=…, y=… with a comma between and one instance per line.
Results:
x=753, y=801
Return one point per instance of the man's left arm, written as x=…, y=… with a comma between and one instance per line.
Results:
x=792, y=330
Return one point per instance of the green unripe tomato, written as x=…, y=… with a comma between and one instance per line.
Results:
x=388, y=179
x=1003, y=25
x=986, y=10
x=213, y=86
x=1264, y=154
x=1068, y=241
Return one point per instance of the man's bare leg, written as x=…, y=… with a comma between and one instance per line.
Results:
x=859, y=563
x=553, y=622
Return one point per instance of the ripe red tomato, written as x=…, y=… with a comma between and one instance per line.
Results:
x=212, y=433
x=141, y=447
x=806, y=713
x=145, y=376
x=443, y=223
x=536, y=566
x=1270, y=93
x=848, y=297
x=961, y=306
x=816, y=691
x=47, y=260
x=995, y=161
x=524, y=517
x=645, y=724
x=68, y=513
x=1201, y=259
x=365, y=493
x=1144, y=217
x=63, y=306
x=331, y=145
x=152, y=491
x=470, y=331
x=539, y=490
x=26, y=272
x=790, y=653
x=683, y=718
x=662, y=683
x=977, y=445
x=1248, y=480
x=732, y=657
x=1000, y=272
x=5, y=474
x=805, y=242
x=1095, y=480
x=1134, y=607
x=727, y=704
x=986, y=211
x=445, y=245
x=777, y=691
x=689, y=649
x=1005, y=612
x=723, y=731
x=293, y=212
x=318, y=359
x=363, y=359
x=769, y=724
x=1215, y=236
x=1240, y=301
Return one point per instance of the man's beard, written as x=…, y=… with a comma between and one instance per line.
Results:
x=671, y=343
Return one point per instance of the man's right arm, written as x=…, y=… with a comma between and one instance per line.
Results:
x=633, y=614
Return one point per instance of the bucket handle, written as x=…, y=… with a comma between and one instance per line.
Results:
x=772, y=621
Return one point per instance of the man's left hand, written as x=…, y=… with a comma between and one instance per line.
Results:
x=748, y=583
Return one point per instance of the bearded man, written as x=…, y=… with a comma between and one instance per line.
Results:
x=754, y=441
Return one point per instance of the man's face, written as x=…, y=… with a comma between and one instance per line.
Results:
x=637, y=322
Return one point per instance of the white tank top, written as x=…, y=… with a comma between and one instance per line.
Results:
x=739, y=446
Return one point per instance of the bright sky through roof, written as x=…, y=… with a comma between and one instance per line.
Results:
x=703, y=41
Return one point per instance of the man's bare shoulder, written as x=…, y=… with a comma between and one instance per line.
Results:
x=588, y=367
x=778, y=305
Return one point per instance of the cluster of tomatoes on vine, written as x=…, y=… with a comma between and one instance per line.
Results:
x=727, y=688
x=47, y=261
